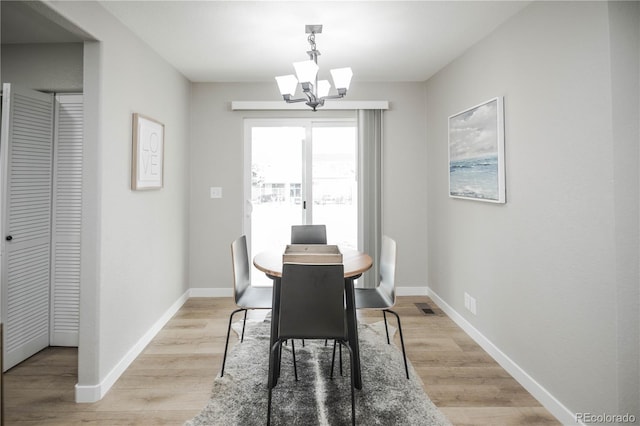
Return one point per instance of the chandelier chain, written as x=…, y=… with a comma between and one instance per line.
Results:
x=312, y=40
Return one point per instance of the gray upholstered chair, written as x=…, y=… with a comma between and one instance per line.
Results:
x=311, y=307
x=308, y=234
x=383, y=297
x=245, y=296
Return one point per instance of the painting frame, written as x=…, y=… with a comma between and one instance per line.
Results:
x=147, y=165
x=476, y=153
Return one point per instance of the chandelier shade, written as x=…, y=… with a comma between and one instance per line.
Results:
x=342, y=78
x=323, y=88
x=287, y=84
x=316, y=92
x=306, y=71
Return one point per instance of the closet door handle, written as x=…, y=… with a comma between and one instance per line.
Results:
x=9, y=238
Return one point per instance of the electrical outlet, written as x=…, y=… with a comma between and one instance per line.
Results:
x=470, y=303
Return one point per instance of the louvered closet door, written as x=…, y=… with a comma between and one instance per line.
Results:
x=27, y=130
x=66, y=220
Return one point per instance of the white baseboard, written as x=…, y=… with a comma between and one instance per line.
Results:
x=562, y=413
x=88, y=394
x=412, y=291
x=211, y=292
x=95, y=393
x=228, y=292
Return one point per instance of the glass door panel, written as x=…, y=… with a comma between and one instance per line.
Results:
x=276, y=185
x=302, y=172
x=335, y=188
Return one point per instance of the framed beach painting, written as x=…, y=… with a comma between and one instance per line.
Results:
x=147, y=171
x=476, y=153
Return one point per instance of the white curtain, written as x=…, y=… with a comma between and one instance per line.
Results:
x=370, y=190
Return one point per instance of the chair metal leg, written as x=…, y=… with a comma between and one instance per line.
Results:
x=333, y=358
x=280, y=359
x=270, y=382
x=293, y=352
x=404, y=354
x=386, y=327
x=353, y=388
x=269, y=407
x=295, y=367
x=353, y=383
x=244, y=322
x=226, y=345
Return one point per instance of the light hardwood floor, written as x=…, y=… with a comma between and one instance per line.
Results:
x=171, y=380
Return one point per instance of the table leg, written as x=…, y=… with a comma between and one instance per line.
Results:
x=352, y=326
x=274, y=356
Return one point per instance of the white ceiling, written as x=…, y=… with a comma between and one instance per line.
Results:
x=243, y=41
x=229, y=41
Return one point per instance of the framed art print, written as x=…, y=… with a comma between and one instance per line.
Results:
x=476, y=153
x=147, y=171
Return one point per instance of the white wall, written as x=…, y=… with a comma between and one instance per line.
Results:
x=217, y=160
x=545, y=267
x=135, y=251
x=48, y=66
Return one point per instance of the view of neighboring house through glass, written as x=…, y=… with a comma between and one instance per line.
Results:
x=301, y=173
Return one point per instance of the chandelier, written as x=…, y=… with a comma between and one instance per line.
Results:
x=316, y=92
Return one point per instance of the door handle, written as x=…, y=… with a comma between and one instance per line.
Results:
x=8, y=238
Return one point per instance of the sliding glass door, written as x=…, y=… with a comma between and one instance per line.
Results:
x=334, y=189
x=299, y=172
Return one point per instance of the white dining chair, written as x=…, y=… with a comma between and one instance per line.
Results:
x=244, y=294
x=383, y=297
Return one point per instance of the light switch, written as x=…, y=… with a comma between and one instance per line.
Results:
x=215, y=192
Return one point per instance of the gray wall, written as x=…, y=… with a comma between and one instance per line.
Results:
x=554, y=270
x=217, y=160
x=49, y=67
x=625, y=90
x=135, y=251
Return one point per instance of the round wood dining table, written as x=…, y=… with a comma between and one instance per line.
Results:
x=355, y=263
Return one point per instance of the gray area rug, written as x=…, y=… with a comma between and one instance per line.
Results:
x=387, y=397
